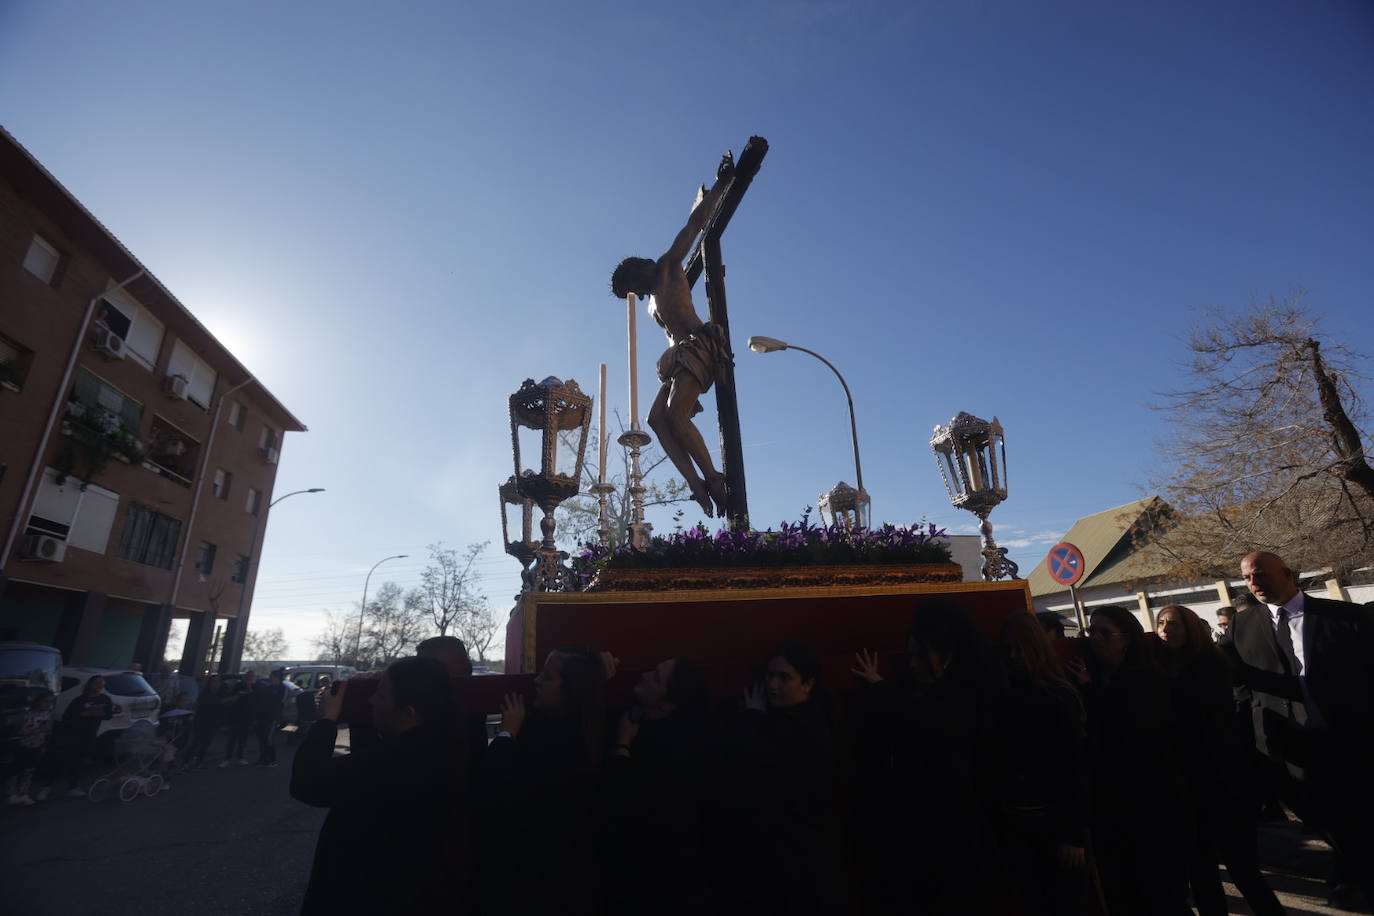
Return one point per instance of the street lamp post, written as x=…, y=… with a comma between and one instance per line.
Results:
x=863, y=506
x=248, y=564
x=358, y=643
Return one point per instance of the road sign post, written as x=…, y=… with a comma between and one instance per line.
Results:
x=1065, y=564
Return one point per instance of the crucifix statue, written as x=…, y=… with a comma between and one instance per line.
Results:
x=699, y=353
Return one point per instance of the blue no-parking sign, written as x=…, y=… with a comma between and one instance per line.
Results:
x=1065, y=563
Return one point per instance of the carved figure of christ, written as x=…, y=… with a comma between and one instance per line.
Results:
x=687, y=369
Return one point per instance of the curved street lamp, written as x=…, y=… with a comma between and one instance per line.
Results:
x=362, y=611
x=252, y=549
x=862, y=507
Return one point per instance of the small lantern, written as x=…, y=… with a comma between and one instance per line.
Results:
x=517, y=514
x=844, y=505
x=972, y=457
x=549, y=421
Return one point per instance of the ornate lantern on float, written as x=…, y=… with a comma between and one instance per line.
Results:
x=517, y=516
x=972, y=457
x=548, y=428
x=844, y=505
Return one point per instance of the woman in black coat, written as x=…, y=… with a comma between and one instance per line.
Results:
x=208, y=718
x=928, y=756
x=1215, y=765
x=658, y=789
x=388, y=844
x=783, y=771
x=1042, y=784
x=537, y=793
x=1141, y=819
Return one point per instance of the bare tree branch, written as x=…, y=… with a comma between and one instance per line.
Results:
x=1266, y=448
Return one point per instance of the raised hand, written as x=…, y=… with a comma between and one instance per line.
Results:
x=331, y=703
x=753, y=698
x=610, y=664
x=512, y=714
x=1079, y=671
x=629, y=729
x=868, y=666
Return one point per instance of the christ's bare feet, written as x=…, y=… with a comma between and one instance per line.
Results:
x=701, y=496
x=715, y=482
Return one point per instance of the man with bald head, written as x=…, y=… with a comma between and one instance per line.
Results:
x=1307, y=662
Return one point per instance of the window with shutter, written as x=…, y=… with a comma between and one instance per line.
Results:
x=42, y=259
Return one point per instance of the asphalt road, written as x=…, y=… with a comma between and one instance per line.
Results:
x=221, y=841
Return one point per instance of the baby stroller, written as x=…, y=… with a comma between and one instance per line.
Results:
x=138, y=753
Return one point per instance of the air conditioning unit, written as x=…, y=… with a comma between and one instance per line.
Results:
x=270, y=455
x=41, y=548
x=176, y=387
x=110, y=344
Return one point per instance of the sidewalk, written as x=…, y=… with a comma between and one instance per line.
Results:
x=1296, y=864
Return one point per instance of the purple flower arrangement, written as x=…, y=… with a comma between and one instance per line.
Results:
x=800, y=544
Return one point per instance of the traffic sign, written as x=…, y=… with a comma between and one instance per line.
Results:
x=1065, y=563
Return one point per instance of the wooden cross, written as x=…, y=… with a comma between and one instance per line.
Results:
x=706, y=257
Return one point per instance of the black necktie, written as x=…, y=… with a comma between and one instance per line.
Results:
x=1285, y=637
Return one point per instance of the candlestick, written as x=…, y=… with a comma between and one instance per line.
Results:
x=634, y=365
x=601, y=429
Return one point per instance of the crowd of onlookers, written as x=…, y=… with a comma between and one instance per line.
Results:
x=63, y=754
x=1110, y=774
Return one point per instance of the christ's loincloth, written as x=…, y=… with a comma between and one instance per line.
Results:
x=701, y=354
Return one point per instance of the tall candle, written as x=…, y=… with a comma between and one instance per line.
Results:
x=634, y=383
x=601, y=429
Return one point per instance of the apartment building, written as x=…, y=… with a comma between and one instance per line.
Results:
x=137, y=455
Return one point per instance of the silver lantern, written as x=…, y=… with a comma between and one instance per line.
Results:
x=971, y=455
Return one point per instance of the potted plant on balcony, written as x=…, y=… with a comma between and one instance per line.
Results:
x=95, y=436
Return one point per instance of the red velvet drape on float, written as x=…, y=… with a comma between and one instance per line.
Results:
x=729, y=633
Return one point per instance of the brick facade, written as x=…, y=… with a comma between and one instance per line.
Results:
x=98, y=606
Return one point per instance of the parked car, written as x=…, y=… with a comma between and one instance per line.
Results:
x=309, y=677
x=26, y=668
x=134, y=698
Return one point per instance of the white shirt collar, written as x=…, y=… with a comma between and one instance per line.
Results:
x=1295, y=605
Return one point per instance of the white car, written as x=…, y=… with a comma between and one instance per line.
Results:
x=133, y=697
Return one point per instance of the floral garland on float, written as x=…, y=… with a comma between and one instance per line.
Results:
x=794, y=556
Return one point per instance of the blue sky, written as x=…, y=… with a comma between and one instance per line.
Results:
x=394, y=214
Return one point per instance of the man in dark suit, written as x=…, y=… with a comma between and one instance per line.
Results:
x=1308, y=664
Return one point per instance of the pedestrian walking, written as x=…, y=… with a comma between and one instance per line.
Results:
x=1306, y=663
x=1214, y=765
x=1139, y=807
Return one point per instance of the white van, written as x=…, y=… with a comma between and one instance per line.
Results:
x=312, y=677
